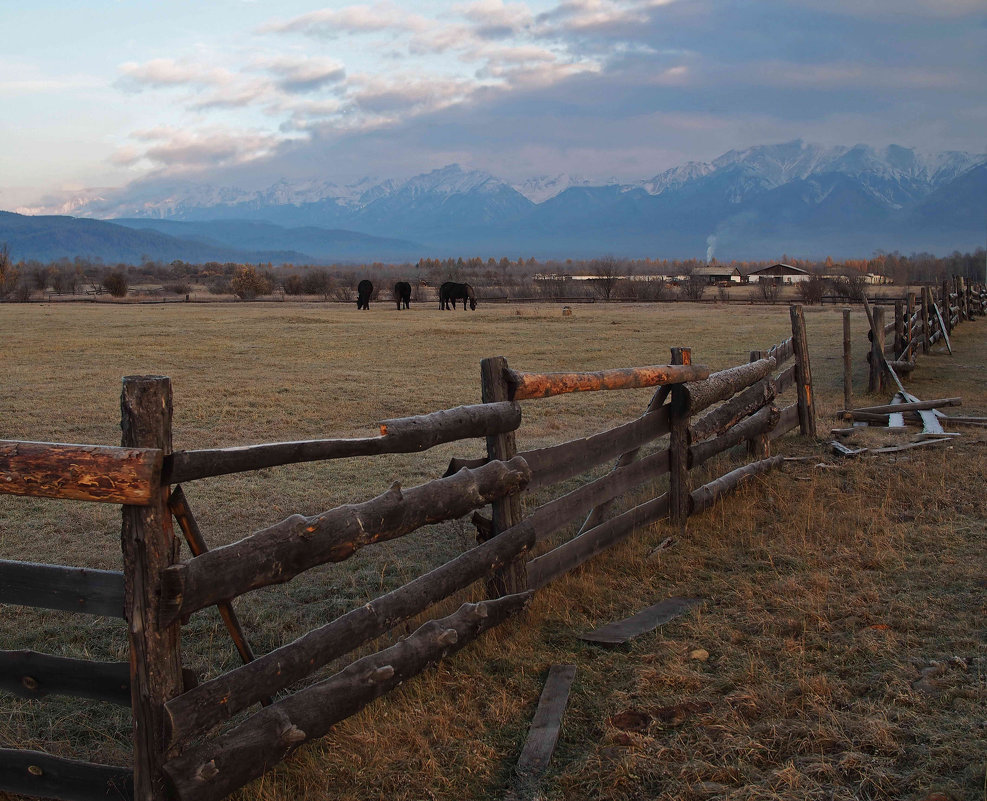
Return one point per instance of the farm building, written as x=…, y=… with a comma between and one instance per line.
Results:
x=718, y=273
x=779, y=274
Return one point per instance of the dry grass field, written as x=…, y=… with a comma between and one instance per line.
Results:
x=844, y=601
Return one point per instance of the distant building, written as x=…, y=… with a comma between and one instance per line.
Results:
x=779, y=274
x=719, y=274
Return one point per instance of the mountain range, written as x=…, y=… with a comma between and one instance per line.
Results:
x=795, y=198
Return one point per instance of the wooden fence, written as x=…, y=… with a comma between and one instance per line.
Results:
x=921, y=319
x=185, y=745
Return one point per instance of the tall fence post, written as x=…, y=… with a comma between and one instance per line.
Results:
x=910, y=311
x=899, y=328
x=506, y=512
x=926, y=320
x=877, y=358
x=847, y=363
x=678, y=447
x=149, y=545
x=803, y=373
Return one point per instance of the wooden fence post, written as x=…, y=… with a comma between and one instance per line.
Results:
x=149, y=546
x=678, y=447
x=910, y=310
x=947, y=316
x=803, y=373
x=899, y=328
x=847, y=364
x=877, y=352
x=926, y=311
x=506, y=512
x=760, y=446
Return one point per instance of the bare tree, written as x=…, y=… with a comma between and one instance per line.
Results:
x=9, y=274
x=606, y=272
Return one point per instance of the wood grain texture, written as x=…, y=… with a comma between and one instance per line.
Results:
x=70, y=589
x=79, y=472
x=547, y=722
x=34, y=773
x=544, y=385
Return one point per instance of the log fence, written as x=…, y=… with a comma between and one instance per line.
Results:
x=202, y=741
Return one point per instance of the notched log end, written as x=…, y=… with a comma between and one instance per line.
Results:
x=381, y=674
x=447, y=638
x=292, y=735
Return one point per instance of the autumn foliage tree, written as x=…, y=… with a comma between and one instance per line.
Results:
x=248, y=284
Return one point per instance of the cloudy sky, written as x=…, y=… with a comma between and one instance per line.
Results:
x=102, y=92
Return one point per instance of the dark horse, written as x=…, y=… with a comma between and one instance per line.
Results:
x=402, y=294
x=450, y=292
x=363, y=292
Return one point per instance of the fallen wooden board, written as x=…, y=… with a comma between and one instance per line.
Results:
x=843, y=450
x=896, y=419
x=942, y=329
x=544, y=731
x=644, y=621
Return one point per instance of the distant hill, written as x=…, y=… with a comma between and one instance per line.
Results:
x=46, y=238
x=795, y=198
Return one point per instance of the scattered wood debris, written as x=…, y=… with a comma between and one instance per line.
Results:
x=644, y=621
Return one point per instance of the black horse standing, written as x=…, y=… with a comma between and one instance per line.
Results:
x=402, y=294
x=450, y=292
x=363, y=292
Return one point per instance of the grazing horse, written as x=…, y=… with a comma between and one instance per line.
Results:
x=363, y=292
x=450, y=292
x=402, y=294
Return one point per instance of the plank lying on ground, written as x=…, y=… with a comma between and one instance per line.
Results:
x=894, y=448
x=30, y=674
x=543, y=385
x=80, y=472
x=644, y=621
x=909, y=406
x=708, y=494
x=403, y=435
x=896, y=420
x=42, y=775
x=970, y=421
x=71, y=589
x=224, y=763
x=545, y=726
x=280, y=552
x=215, y=701
x=725, y=383
x=561, y=462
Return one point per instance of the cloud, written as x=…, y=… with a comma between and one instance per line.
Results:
x=299, y=75
x=494, y=19
x=356, y=19
x=179, y=148
x=166, y=72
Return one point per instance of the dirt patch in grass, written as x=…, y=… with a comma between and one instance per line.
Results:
x=843, y=621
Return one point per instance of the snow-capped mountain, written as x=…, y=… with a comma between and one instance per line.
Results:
x=794, y=197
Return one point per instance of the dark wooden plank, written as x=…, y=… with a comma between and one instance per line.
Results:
x=224, y=763
x=755, y=426
x=42, y=775
x=788, y=420
x=403, y=435
x=280, y=552
x=644, y=621
x=547, y=722
x=781, y=352
x=70, y=589
x=30, y=674
x=544, y=385
x=79, y=472
x=785, y=379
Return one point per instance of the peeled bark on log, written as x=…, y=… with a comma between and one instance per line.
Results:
x=80, y=472
x=720, y=419
x=759, y=423
x=402, y=435
x=722, y=385
x=544, y=385
x=710, y=493
x=246, y=752
x=277, y=554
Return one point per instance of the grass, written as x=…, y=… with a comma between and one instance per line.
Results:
x=844, y=605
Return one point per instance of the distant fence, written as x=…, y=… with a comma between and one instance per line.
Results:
x=177, y=752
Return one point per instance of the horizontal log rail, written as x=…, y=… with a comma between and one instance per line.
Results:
x=556, y=463
x=402, y=435
x=781, y=352
x=215, y=701
x=524, y=386
x=80, y=472
x=279, y=553
x=725, y=383
x=33, y=675
x=785, y=379
x=580, y=549
x=221, y=765
x=718, y=420
x=708, y=494
x=907, y=406
x=755, y=425
x=788, y=420
x=42, y=775
x=69, y=589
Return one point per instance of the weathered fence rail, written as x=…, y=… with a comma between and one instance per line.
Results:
x=191, y=740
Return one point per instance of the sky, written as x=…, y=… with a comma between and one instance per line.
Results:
x=102, y=93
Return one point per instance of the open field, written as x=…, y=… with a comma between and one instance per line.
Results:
x=828, y=591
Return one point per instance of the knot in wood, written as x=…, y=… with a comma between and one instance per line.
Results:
x=35, y=770
x=291, y=734
x=481, y=610
x=447, y=638
x=29, y=682
x=207, y=772
x=382, y=674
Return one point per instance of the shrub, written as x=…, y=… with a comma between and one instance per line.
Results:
x=116, y=282
x=811, y=291
x=247, y=283
x=694, y=287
